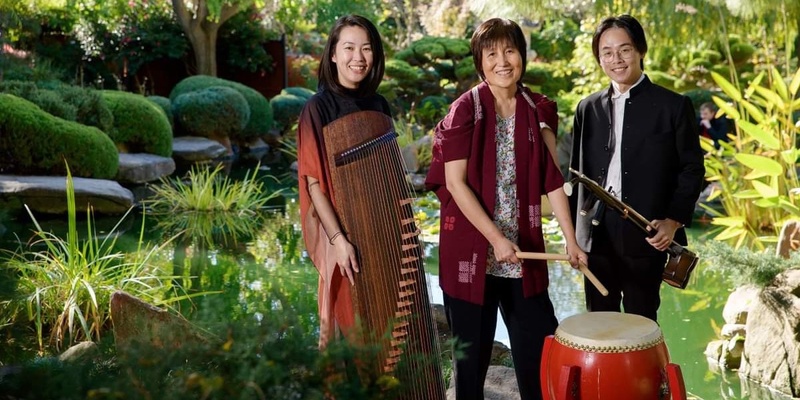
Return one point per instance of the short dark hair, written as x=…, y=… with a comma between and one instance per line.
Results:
x=328, y=74
x=630, y=25
x=710, y=106
x=493, y=31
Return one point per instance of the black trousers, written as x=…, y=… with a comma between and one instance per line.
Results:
x=529, y=321
x=633, y=282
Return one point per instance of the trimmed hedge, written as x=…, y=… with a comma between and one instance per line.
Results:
x=37, y=143
x=261, y=119
x=139, y=124
x=213, y=111
x=286, y=108
x=166, y=105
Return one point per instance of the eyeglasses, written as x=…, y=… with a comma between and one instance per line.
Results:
x=625, y=53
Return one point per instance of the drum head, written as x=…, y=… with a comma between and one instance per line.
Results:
x=608, y=332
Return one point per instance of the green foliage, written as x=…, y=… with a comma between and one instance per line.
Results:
x=149, y=32
x=757, y=170
x=261, y=119
x=241, y=43
x=743, y=266
x=35, y=142
x=546, y=79
x=302, y=92
x=208, y=191
x=166, y=106
x=303, y=71
x=555, y=40
x=139, y=124
x=213, y=111
x=286, y=108
x=73, y=103
x=65, y=288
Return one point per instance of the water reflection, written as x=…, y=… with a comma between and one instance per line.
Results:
x=257, y=264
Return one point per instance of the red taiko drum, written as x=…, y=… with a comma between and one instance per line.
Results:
x=609, y=356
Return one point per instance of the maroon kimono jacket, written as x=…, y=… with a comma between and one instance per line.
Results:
x=468, y=132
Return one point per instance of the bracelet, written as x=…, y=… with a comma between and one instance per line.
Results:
x=335, y=235
x=312, y=184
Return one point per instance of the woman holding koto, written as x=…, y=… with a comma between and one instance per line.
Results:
x=349, y=75
x=358, y=222
x=490, y=168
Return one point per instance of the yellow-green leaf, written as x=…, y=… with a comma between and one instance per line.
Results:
x=753, y=85
x=700, y=305
x=754, y=111
x=727, y=108
x=727, y=87
x=760, y=163
x=779, y=84
x=746, y=194
x=765, y=203
x=790, y=156
x=763, y=137
x=728, y=221
x=771, y=97
x=729, y=233
x=794, y=85
x=755, y=175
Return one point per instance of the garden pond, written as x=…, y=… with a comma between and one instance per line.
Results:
x=236, y=260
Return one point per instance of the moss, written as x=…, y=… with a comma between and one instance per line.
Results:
x=139, y=124
x=217, y=110
x=261, y=118
x=286, y=108
x=37, y=142
x=166, y=105
x=741, y=52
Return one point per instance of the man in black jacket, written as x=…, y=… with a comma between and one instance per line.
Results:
x=639, y=141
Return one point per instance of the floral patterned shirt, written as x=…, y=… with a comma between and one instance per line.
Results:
x=505, y=209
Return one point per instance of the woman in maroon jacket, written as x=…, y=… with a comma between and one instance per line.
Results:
x=491, y=166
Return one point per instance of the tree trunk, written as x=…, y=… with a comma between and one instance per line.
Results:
x=201, y=28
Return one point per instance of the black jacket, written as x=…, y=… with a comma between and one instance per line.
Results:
x=661, y=161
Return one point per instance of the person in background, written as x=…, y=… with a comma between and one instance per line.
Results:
x=490, y=168
x=640, y=142
x=711, y=127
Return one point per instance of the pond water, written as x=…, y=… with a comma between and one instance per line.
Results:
x=273, y=255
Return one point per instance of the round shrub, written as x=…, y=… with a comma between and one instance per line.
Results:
x=286, y=108
x=91, y=108
x=465, y=69
x=217, y=110
x=36, y=142
x=139, y=125
x=166, y=105
x=260, y=111
x=299, y=92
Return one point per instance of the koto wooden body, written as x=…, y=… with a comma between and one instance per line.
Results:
x=390, y=296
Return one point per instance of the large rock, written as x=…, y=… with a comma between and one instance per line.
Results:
x=138, y=324
x=772, y=349
x=500, y=384
x=48, y=194
x=191, y=149
x=143, y=167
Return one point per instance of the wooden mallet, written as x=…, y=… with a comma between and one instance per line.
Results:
x=563, y=257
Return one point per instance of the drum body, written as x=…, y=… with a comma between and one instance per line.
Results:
x=609, y=356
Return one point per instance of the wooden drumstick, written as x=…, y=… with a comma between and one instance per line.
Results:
x=563, y=257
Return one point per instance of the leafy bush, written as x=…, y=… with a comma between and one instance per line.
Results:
x=35, y=142
x=139, y=125
x=73, y=103
x=301, y=92
x=555, y=40
x=261, y=119
x=303, y=71
x=241, y=43
x=286, y=108
x=149, y=35
x=166, y=105
x=214, y=111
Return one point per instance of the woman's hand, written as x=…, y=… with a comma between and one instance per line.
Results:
x=505, y=250
x=576, y=255
x=346, y=258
